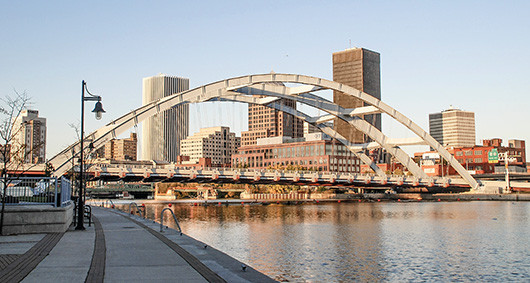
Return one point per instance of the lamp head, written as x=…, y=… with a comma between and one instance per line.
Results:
x=98, y=109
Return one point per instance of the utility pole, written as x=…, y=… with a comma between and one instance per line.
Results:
x=507, y=159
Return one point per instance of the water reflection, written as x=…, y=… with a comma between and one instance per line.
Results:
x=367, y=241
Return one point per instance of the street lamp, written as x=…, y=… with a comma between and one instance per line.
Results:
x=98, y=110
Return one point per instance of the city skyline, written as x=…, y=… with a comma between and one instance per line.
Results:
x=427, y=62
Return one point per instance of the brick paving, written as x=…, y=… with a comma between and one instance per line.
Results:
x=7, y=259
x=96, y=273
x=24, y=264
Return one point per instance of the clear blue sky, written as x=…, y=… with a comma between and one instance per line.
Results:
x=473, y=55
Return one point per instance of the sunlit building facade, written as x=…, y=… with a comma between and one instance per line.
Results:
x=358, y=68
x=216, y=143
x=315, y=152
x=29, y=138
x=162, y=133
x=453, y=128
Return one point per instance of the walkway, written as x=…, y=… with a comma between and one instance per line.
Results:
x=117, y=248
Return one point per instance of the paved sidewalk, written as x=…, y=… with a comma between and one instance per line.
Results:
x=133, y=254
x=117, y=248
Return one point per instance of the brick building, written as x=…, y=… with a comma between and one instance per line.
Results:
x=264, y=122
x=119, y=149
x=475, y=158
x=314, y=152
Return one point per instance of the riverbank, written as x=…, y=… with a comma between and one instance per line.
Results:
x=118, y=247
x=317, y=198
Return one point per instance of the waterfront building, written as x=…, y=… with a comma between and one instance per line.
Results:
x=475, y=158
x=29, y=137
x=215, y=143
x=453, y=128
x=162, y=133
x=266, y=122
x=360, y=69
x=316, y=152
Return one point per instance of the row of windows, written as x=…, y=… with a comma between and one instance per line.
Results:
x=470, y=160
x=468, y=153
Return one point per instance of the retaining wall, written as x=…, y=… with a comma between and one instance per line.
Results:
x=30, y=219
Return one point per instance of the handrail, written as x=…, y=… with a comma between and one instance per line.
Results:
x=174, y=218
x=137, y=209
x=88, y=214
x=107, y=201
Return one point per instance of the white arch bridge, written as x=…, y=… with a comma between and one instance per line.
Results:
x=305, y=91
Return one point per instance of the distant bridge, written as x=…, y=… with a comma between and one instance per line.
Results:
x=246, y=176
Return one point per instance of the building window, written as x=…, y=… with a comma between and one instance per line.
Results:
x=459, y=153
x=478, y=160
x=469, y=152
x=478, y=152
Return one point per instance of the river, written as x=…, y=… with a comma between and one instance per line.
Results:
x=387, y=241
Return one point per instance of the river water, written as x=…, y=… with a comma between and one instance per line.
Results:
x=390, y=241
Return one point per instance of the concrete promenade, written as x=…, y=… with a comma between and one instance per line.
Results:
x=117, y=247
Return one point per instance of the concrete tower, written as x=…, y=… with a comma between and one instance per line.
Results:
x=453, y=128
x=162, y=133
x=29, y=139
x=360, y=69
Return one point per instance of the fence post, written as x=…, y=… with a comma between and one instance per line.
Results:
x=55, y=194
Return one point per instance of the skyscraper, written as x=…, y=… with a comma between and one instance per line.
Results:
x=453, y=128
x=162, y=133
x=360, y=69
x=29, y=137
x=264, y=122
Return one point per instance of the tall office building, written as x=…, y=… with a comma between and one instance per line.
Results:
x=162, y=133
x=29, y=138
x=360, y=69
x=264, y=122
x=453, y=128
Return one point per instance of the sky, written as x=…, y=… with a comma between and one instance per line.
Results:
x=471, y=55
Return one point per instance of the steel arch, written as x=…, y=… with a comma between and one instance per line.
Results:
x=225, y=88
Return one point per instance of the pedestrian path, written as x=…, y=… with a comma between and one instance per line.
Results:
x=117, y=247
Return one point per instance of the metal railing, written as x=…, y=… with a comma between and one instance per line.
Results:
x=107, y=202
x=174, y=218
x=88, y=214
x=37, y=190
x=137, y=209
x=66, y=191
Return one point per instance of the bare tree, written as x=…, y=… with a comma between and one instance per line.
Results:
x=75, y=155
x=12, y=153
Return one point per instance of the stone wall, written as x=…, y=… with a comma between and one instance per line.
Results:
x=30, y=219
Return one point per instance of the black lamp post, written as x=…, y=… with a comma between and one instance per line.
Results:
x=98, y=109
